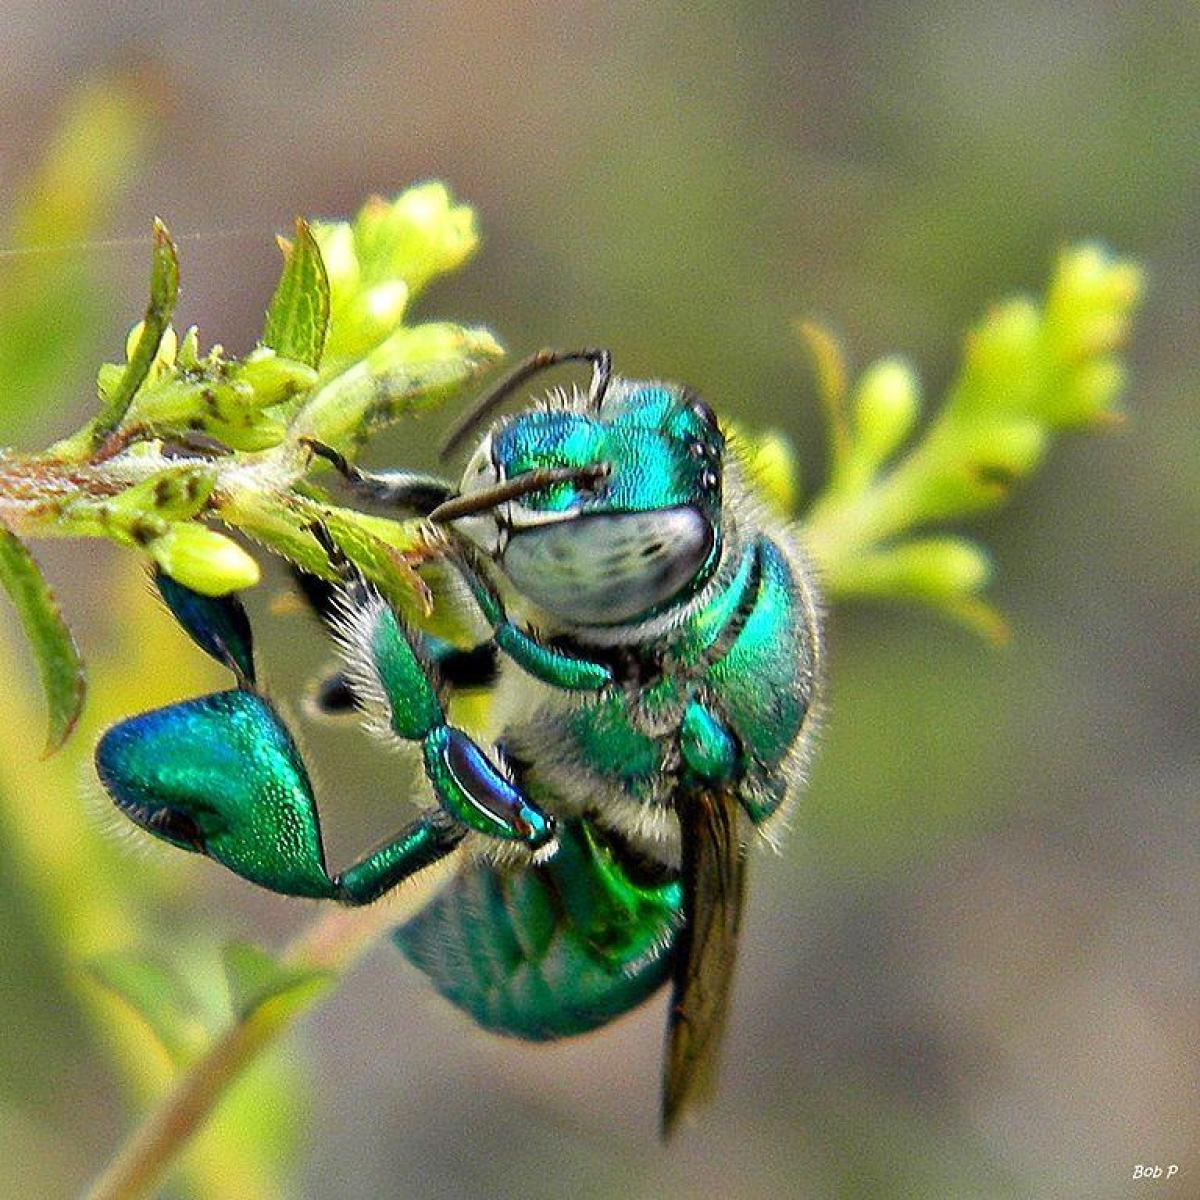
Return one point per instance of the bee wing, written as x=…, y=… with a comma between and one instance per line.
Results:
x=714, y=880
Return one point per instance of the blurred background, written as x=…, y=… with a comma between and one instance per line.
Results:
x=973, y=971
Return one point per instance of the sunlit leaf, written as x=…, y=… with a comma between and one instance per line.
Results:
x=298, y=315
x=157, y=996
x=57, y=656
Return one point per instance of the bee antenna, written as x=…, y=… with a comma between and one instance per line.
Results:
x=601, y=361
x=522, y=485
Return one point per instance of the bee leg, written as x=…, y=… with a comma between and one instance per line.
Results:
x=332, y=695
x=566, y=671
x=394, y=685
x=466, y=670
x=217, y=624
x=220, y=775
x=409, y=490
x=429, y=838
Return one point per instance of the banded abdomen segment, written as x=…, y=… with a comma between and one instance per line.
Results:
x=551, y=951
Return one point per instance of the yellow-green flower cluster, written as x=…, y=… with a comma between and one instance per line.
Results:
x=1029, y=371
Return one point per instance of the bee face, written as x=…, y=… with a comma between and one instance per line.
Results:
x=637, y=538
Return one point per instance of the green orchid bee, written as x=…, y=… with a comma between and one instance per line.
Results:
x=655, y=665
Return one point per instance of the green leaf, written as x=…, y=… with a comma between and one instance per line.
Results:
x=257, y=978
x=57, y=655
x=164, y=289
x=298, y=315
x=157, y=996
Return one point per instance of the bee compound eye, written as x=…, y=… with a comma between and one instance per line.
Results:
x=702, y=410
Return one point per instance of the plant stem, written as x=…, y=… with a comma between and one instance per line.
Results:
x=333, y=943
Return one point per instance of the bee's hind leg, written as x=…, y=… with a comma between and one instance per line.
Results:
x=394, y=683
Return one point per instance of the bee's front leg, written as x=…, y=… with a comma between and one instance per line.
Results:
x=569, y=672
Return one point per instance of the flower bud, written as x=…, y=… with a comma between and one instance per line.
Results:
x=269, y=378
x=772, y=465
x=934, y=569
x=886, y=404
x=204, y=560
x=1002, y=451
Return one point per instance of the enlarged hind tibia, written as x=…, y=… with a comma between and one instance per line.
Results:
x=221, y=776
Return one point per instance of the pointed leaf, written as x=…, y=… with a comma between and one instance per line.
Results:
x=157, y=996
x=298, y=315
x=57, y=655
x=164, y=289
x=257, y=978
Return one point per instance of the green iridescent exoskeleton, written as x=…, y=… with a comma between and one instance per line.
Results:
x=580, y=917
x=653, y=666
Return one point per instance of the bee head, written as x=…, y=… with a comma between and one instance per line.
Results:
x=627, y=516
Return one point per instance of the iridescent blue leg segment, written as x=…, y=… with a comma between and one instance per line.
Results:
x=217, y=624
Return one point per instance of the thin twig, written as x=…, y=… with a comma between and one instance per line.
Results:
x=333, y=943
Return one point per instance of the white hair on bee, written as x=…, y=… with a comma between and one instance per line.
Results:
x=506, y=855
x=543, y=854
x=661, y=945
x=353, y=628
x=563, y=399
x=117, y=826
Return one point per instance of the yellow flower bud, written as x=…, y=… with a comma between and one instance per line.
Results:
x=772, y=464
x=886, y=404
x=204, y=560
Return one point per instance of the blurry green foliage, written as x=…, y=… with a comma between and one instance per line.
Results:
x=1029, y=371
x=87, y=903
x=337, y=360
x=48, y=312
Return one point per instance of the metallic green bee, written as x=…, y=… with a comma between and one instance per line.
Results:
x=656, y=722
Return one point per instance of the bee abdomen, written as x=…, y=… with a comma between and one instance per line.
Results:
x=548, y=952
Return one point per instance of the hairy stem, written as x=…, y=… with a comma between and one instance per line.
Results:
x=333, y=943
